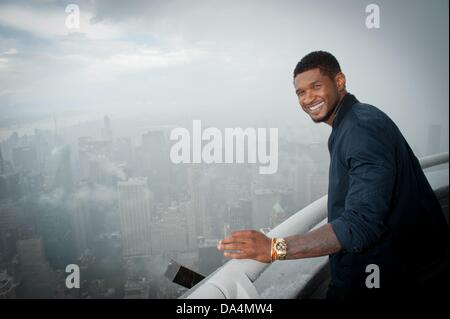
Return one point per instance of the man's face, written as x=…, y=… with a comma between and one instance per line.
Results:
x=318, y=95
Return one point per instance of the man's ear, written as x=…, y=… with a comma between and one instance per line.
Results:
x=340, y=81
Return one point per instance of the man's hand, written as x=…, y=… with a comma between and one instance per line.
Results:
x=247, y=244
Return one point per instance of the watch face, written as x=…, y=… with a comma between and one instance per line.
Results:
x=280, y=246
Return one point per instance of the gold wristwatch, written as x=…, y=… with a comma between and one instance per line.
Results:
x=279, y=249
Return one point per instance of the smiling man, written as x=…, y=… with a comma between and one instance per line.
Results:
x=381, y=208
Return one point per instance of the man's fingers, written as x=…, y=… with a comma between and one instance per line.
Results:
x=232, y=246
x=246, y=244
x=232, y=239
x=230, y=242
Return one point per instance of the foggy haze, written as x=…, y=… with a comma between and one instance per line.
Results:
x=86, y=114
x=227, y=62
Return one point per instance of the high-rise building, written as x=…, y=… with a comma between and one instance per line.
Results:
x=92, y=156
x=186, y=210
x=6, y=167
x=102, y=171
x=198, y=191
x=82, y=225
x=154, y=152
x=263, y=201
x=106, y=130
x=25, y=158
x=37, y=277
x=123, y=150
x=278, y=215
x=10, y=186
x=137, y=289
x=33, y=183
x=178, y=229
x=174, y=234
x=7, y=286
x=240, y=215
x=62, y=176
x=157, y=241
x=9, y=224
x=153, y=161
x=135, y=216
x=210, y=258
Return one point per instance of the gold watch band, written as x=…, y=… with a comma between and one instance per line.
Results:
x=273, y=253
x=278, y=249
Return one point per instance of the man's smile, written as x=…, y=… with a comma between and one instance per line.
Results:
x=315, y=108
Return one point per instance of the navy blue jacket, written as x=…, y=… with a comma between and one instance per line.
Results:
x=380, y=204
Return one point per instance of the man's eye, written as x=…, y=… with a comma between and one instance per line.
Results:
x=317, y=86
x=301, y=93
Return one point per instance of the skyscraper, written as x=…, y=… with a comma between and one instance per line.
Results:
x=93, y=157
x=210, y=258
x=263, y=201
x=197, y=190
x=7, y=286
x=278, y=215
x=62, y=177
x=135, y=218
x=9, y=224
x=82, y=225
x=240, y=215
x=38, y=278
x=25, y=158
x=106, y=130
x=154, y=162
x=178, y=228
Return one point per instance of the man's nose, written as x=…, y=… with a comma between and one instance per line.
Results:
x=308, y=98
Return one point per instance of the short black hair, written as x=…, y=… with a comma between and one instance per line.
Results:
x=323, y=60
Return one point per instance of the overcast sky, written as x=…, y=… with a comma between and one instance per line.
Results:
x=220, y=61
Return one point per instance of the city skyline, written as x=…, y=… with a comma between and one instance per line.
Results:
x=87, y=112
x=107, y=192
x=166, y=62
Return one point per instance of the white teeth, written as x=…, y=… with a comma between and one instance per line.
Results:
x=316, y=107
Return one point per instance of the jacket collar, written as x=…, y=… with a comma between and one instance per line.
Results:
x=344, y=106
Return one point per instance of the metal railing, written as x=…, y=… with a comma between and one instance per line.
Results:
x=236, y=279
x=433, y=160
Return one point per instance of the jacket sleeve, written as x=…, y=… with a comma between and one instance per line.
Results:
x=369, y=155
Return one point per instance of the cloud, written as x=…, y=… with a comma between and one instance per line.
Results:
x=221, y=57
x=95, y=194
x=145, y=58
x=92, y=194
x=110, y=168
x=53, y=199
x=12, y=51
x=5, y=60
